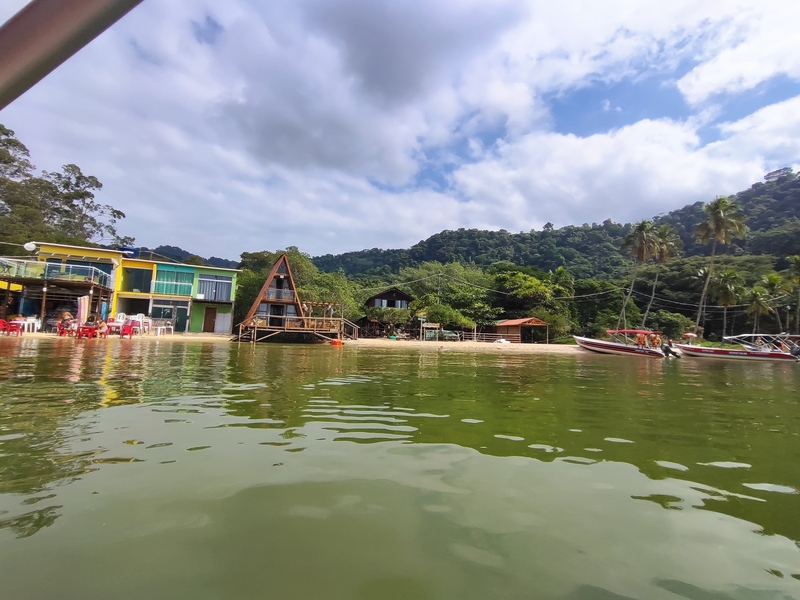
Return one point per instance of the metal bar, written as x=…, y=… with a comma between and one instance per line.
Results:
x=45, y=33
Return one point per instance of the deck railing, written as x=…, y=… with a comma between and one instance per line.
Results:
x=32, y=269
x=514, y=338
x=326, y=326
x=286, y=295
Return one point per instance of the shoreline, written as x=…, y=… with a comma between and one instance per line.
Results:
x=360, y=343
x=466, y=346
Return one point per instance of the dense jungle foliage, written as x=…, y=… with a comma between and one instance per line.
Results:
x=772, y=208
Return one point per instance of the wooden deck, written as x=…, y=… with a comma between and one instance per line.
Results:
x=259, y=329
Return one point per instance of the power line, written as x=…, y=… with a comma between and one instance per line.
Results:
x=613, y=289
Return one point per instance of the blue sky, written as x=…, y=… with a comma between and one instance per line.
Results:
x=337, y=125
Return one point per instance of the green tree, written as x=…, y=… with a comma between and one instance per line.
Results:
x=776, y=287
x=666, y=246
x=724, y=222
x=726, y=289
x=55, y=207
x=794, y=276
x=15, y=159
x=757, y=305
x=194, y=260
x=640, y=245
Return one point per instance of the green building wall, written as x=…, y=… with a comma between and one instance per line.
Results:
x=199, y=314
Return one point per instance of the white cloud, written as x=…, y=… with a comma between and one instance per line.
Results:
x=308, y=122
x=757, y=45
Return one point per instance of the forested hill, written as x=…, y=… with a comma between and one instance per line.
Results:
x=773, y=217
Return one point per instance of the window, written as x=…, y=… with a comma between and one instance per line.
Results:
x=136, y=280
x=214, y=287
x=173, y=283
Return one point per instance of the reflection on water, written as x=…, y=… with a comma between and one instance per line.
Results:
x=221, y=470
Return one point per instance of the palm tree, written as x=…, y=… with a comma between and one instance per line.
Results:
x=724, y=222
x=666, y=245
x=726, y=289
x=700, y=280
x=757, y=305
x=794, y=276
x=776, y=286
x=639, y=243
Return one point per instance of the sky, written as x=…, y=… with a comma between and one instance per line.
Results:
x=339, y=125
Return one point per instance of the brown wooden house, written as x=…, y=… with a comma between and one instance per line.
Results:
x=391, y=298
x=278, y=309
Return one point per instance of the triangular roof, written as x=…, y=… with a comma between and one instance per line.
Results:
x=531, y=321
x=280, y=268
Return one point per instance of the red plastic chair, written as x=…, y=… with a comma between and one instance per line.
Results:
x=63, y=330
x=3, y=325
x=12, y=327
x=126, y=330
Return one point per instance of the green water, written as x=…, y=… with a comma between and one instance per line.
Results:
x=187, y=470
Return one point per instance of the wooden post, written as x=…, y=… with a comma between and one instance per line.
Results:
x=42, y=311
x=8, y=299
x=547, y=334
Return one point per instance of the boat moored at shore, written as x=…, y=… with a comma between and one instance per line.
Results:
x=756, y=347
x=621, y=344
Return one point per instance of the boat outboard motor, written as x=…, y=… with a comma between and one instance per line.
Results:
x=669, y=351
x=795, y=351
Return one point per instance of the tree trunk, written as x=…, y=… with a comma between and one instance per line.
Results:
x=705, y=287
x=780, y=323
x=622, y=314
x=724, y=322
x=755, y=322
x=652, y=296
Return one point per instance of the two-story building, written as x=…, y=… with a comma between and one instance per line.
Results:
x=196, y=298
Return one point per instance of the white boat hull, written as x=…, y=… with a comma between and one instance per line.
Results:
x=756, y=355
x=605, y=347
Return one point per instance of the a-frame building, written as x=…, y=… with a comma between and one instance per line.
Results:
x=277, y=301
x=278, y=310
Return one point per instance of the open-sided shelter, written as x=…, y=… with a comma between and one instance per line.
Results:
x=519, y=330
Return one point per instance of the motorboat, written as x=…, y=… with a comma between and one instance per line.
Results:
x=623, y=341
x=760, y=347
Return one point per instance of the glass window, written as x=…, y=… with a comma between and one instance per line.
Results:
x=173, y=283
x=136, y=280
x=215, y=287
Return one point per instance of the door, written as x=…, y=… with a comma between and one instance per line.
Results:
x=277, y=310
x=209, y=319
x=181, y=317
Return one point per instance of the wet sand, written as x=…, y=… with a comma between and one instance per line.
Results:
x=362, y=343
x=467, y=346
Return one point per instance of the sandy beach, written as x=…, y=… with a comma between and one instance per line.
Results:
x=362, y=343
x=466, y=346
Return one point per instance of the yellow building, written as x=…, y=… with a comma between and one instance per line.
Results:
x=118, y=281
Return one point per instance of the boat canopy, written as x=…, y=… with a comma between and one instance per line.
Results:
x=630, y=331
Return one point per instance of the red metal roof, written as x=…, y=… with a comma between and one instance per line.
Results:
x=526, y=321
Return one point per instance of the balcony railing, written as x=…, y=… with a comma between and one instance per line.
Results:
x=170, y=288
x=286, y=295
x=31, y=269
